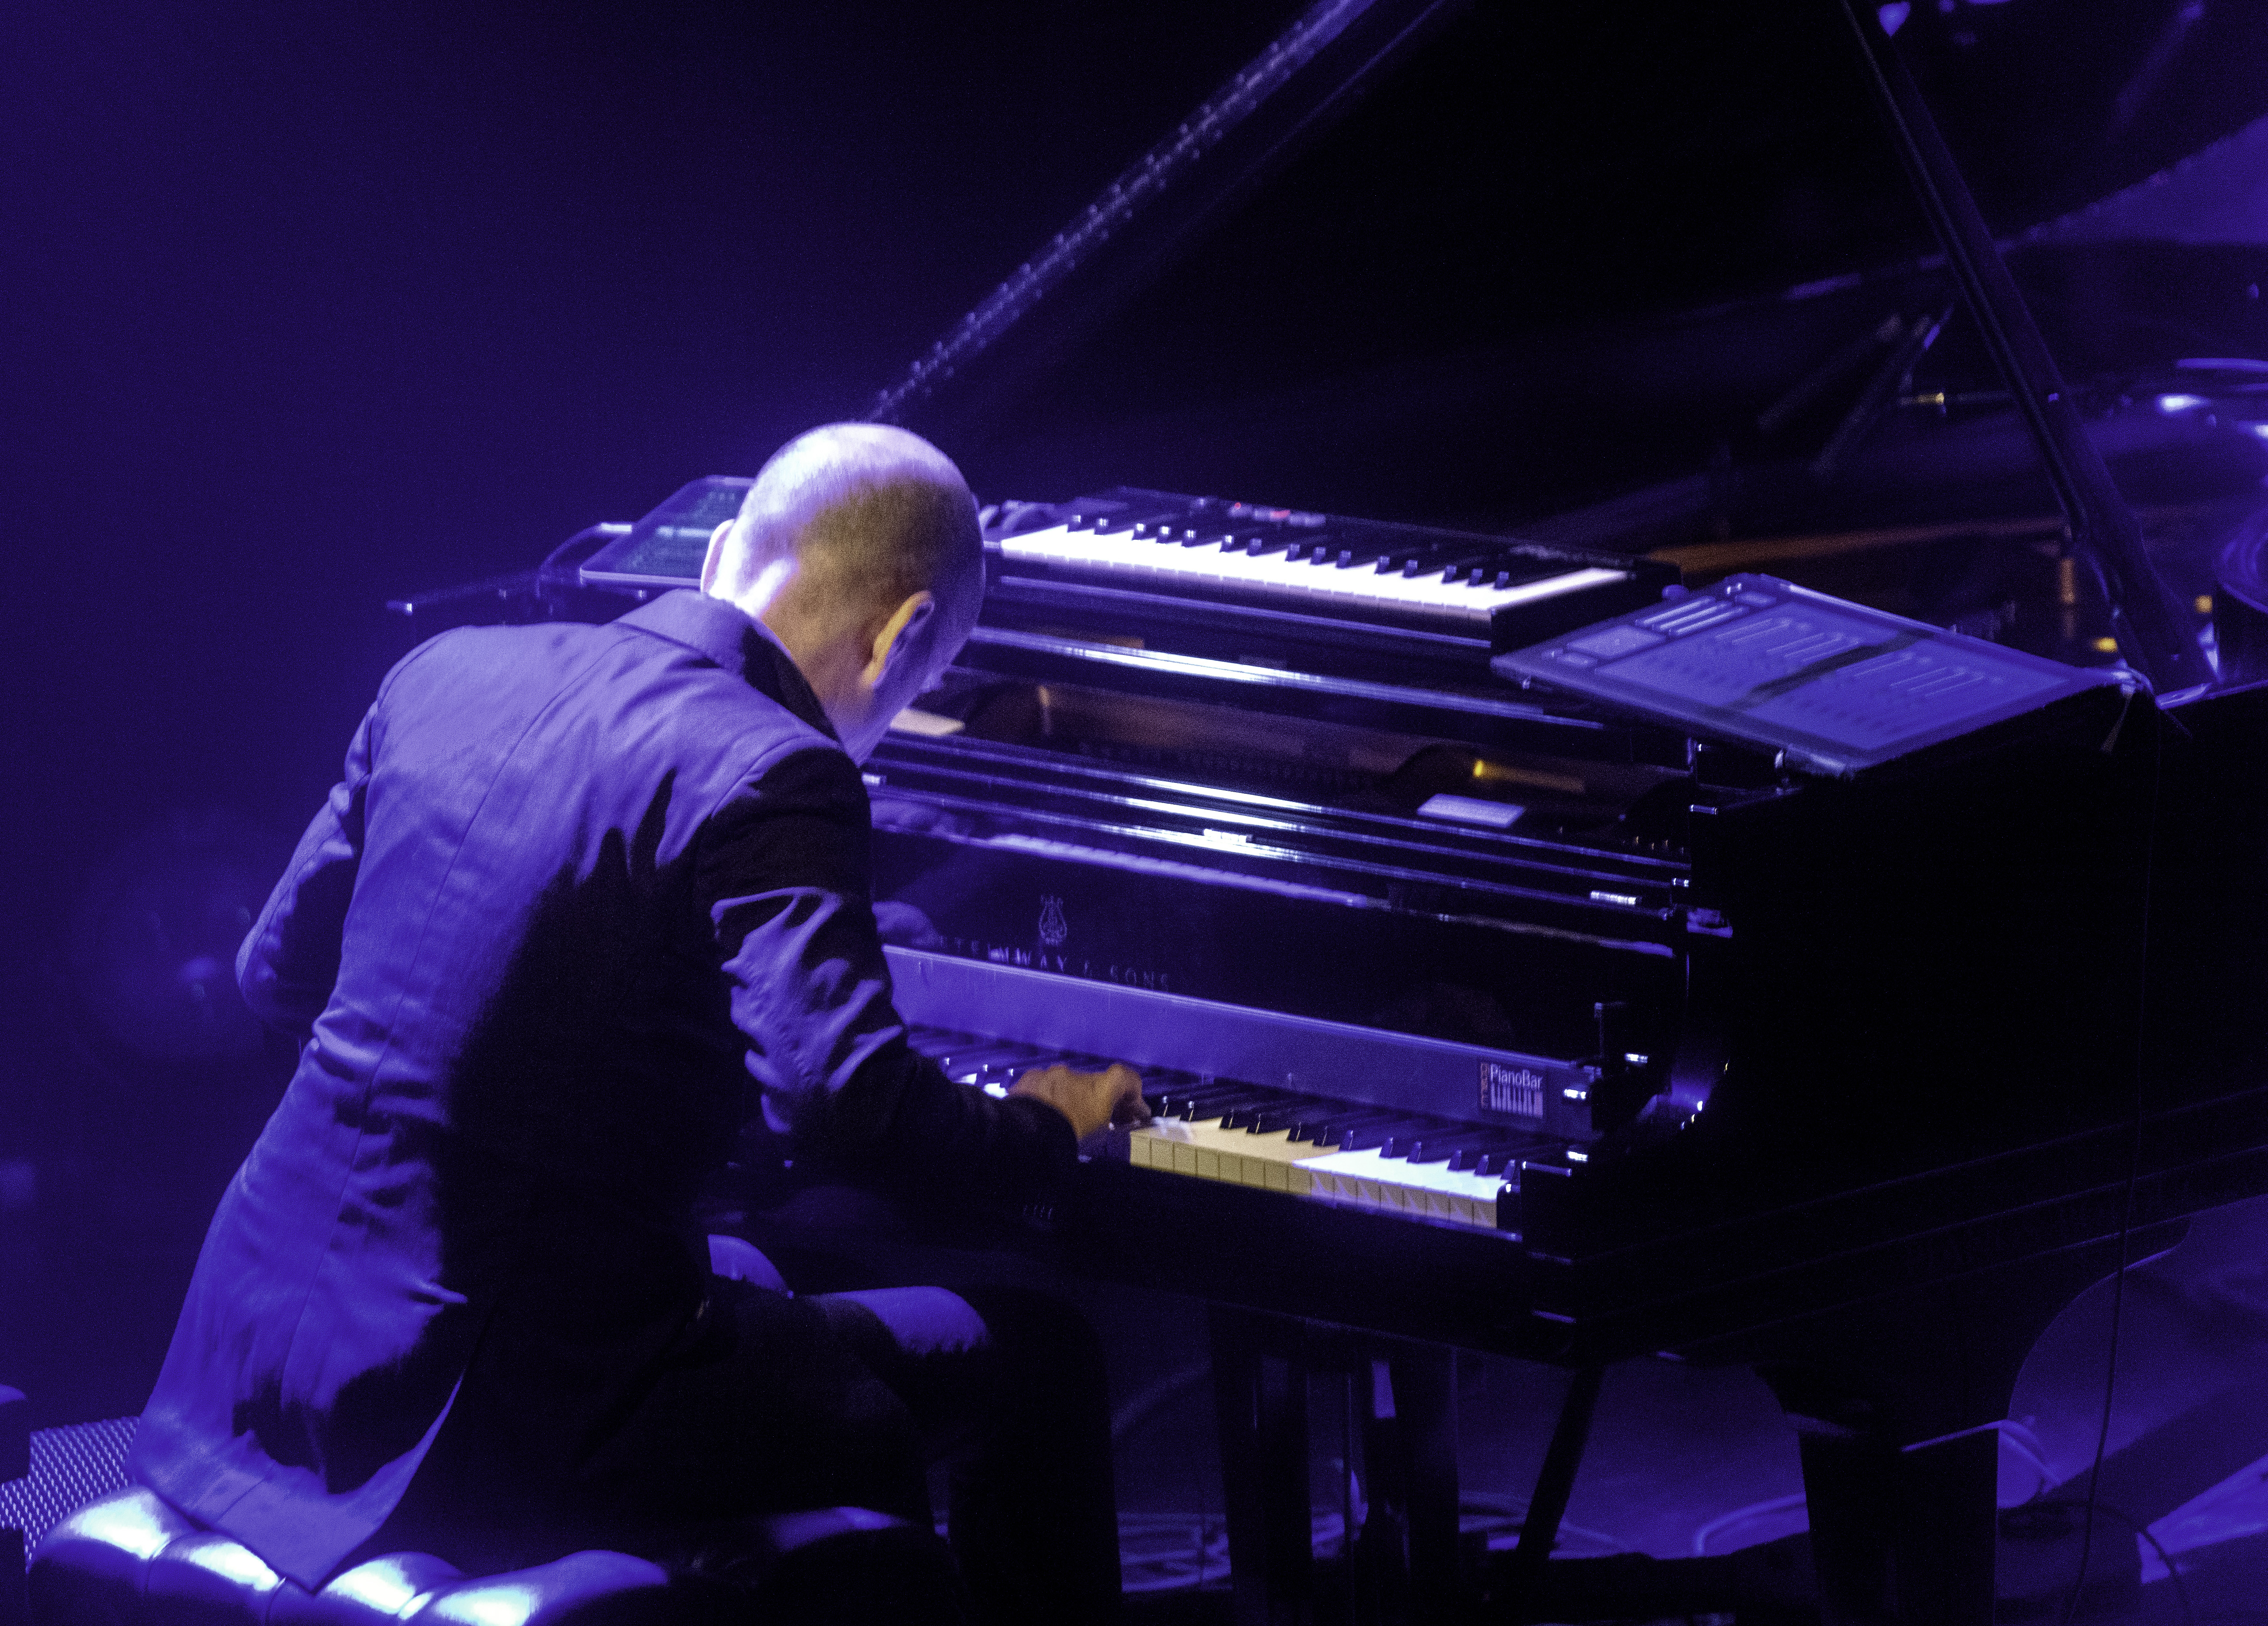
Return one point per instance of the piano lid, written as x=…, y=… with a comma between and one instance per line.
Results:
x=1553, y=258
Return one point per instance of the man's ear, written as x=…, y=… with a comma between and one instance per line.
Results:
x=903, y=636
x=714, y=557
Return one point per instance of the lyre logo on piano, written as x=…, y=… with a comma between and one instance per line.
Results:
x=1053, y=927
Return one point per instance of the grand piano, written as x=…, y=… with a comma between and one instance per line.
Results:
x=1538, y=937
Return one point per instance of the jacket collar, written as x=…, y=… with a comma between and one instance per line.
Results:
x=737, y=643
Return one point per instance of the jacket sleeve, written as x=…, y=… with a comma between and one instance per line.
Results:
x=289, y=958
x=784, y=874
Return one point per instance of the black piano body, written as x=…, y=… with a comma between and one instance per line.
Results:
x=1484, y=1012
x=1480, y=1011
x=1856, y=1077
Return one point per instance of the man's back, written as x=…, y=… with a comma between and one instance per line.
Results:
x=522, y=1059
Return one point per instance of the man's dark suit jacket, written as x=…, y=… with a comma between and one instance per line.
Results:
x=585, y=899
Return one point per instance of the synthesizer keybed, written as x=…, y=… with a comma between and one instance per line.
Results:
x=1464, y=581
x=1193, y=551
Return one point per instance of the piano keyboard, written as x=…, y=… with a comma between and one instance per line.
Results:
x=1413, y=1166
x=1456, y=579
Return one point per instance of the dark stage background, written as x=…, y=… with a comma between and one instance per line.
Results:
x=305, y=308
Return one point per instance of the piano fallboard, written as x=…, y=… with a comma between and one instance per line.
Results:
x=1166, y=1034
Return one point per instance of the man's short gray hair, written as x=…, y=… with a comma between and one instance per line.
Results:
x=872, y=509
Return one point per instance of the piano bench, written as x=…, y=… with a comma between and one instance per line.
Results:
x=14, y=1463
x=128, y=1559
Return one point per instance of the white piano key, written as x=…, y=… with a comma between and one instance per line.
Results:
x=1395, y=1185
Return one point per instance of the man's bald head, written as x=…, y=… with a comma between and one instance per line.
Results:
x=872, y=513
x=858, y=548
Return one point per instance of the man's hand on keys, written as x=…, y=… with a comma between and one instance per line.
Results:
x=1092, y=1101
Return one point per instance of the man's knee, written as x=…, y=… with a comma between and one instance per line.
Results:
x=886, y=1325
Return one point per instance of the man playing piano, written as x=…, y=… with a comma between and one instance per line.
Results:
x=586, y=899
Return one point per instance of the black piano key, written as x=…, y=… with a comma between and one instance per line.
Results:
x=1439, y=1147
x=1325, y=1127
x=1202, y=1106
x=1264, y=1117
x=1174, y=534
x=1428, y=1139
x=1271, y=1120
x=1140, y=525
x=1512, y=572
x=1015, y=1067
x=1517, y=1142
x=1218, y=1112
x=1504, y=1161
x=1371, y=1136
x=1452, y=569
x=963, y=1058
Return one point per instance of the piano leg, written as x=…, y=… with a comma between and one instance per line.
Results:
x=1539, y=1531
x=1894, y=1407
x=1407, y=1562
x=1425, y=1400
x=1900, y=1536
x=1259, y=1392
x=1403, y=1565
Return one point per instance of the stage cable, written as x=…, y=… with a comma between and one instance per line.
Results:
x=2134, y=1174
